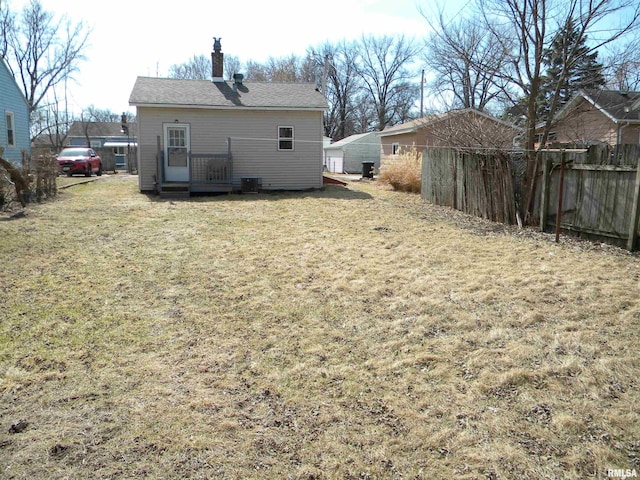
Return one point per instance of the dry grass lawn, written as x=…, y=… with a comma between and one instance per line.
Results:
x=351, y=333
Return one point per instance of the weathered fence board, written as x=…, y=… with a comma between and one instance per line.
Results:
x=475, y=183
x=598, y=198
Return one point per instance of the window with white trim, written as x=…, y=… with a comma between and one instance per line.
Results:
x=395, y=148
x=11, y=131
x=285, y=138
x=177, y=146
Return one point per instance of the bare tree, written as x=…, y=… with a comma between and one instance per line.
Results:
x=283, y=69
x=6, y=24
x=256, y=72
x=466, y=60
x=622, y=66
x=52, y=121
x=526, y=29
x=197, y=67
x=231, y=65
x=42, y=51
x=383, y=67
x=94, y=114
x=469, y=129
x=336, y=72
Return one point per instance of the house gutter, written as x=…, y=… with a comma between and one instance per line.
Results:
x=229, y=107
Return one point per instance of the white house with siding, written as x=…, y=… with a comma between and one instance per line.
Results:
x=347, y=155
x=213, y=136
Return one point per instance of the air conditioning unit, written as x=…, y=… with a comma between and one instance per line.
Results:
x=250, y=184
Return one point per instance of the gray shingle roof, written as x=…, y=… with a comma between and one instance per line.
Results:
x=350, y=139
x=204, y=93
x=99, y=129
x=620, y=105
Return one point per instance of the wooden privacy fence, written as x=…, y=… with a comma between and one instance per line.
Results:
x=476, y=183
x=596, y=194
x=590, y=192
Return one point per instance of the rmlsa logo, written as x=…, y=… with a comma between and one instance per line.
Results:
x=622, y=473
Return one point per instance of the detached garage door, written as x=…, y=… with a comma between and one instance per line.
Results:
x=333, y=161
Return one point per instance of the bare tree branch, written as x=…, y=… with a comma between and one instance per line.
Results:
x=43, y=51
x=383, y=68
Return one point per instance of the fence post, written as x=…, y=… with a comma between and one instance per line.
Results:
x=635, y=212
x=560, y=194
x=544, y=196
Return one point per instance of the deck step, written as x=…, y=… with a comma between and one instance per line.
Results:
x=175, y=191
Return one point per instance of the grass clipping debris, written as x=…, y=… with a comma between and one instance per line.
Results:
x=298, y=335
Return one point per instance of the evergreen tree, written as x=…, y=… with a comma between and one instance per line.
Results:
x=567, y=76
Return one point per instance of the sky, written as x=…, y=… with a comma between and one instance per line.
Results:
x=135, y=38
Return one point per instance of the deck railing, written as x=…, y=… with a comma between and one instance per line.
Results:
x=204, y=168
x=211, y=168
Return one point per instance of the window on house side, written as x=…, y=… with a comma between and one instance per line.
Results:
x=395, y=148
x=285, y=138
x=11, y=136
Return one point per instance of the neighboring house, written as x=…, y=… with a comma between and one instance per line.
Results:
x=466, y=128
x=14, y=122
x=347, y=155
x=101, y=135
x=597, y=116
x=208, y=136
x=111, y=140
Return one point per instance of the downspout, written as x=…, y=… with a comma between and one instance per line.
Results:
x=619, y=138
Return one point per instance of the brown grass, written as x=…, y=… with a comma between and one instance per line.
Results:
x=404, y=172
x=350, y=333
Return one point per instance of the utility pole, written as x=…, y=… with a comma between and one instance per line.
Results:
x=324, y=75
x=422, y=95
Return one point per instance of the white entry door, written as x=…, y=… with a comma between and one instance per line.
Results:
x=176, y=152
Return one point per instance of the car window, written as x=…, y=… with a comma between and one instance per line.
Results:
x=74, y=152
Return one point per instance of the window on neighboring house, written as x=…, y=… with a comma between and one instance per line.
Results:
x=285, y=138
x=11, y=133
x=395, y=148
x=551, y=137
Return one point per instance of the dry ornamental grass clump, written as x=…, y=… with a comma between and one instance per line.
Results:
x=296, y=335
x=404, y=172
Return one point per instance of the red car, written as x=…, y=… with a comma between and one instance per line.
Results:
x=79, y=160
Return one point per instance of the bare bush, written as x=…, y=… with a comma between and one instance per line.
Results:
x=25, y=184
x=404, y=174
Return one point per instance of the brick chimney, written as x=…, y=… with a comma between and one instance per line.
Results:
x=217, y=61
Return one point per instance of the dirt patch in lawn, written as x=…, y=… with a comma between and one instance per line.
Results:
x=348, y=333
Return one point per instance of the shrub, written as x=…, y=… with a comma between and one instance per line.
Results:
x=404, y=173
x=24, y=184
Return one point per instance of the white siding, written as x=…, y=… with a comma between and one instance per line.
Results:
x=333, y=160
x=254, y=143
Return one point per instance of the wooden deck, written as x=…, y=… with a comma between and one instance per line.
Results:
x=208, y=173
x=185, y=189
